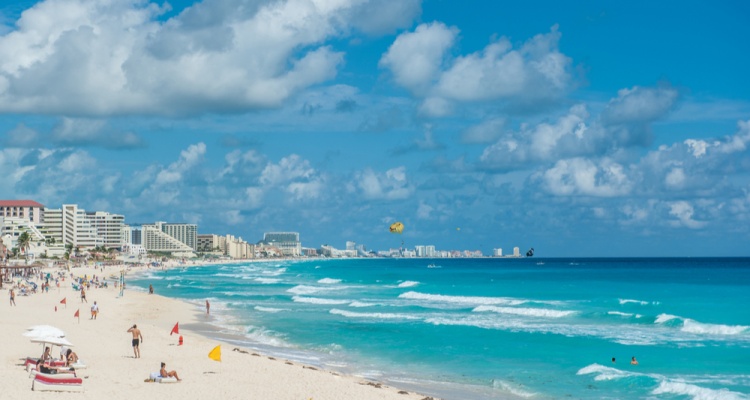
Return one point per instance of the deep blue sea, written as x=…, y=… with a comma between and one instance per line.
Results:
x=493, y=328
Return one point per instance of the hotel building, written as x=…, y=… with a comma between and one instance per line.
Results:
x=287, y=242
x=25, y=209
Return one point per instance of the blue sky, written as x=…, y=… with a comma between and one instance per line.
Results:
x=585, y=129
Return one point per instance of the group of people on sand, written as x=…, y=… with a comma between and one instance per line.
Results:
x=67, y=355
x=137, y=340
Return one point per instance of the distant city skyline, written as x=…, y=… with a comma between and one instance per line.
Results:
x=583, y=129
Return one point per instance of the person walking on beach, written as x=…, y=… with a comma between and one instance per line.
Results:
x=12, y=297
x=83, y=295
x=137, y=339
x=208, y=307
x=94, y=311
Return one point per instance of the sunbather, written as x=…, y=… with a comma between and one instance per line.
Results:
x=171, y=374
x=71, y=358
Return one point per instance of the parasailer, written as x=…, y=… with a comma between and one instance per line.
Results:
x=397, y=227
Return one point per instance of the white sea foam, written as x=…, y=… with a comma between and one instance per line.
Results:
x=406, y=284
x=622, y=314
x=269, y=309
x=267, y=281
x=360, y=304
x=700, y=328
x=693, y=326
x=641, y=302
x=696, y=392
x=462, y=300
x=603, y=373
x=329, y=281
x=229, y=275
x=512, y=388
x=662, y=318
x=275, y=272
x=350, y=314
x=304, y=289
x=527, y=312
x=316, y=300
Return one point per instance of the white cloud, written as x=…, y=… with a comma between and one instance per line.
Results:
x=675, y=178
x=640, y=104
x=21, y=136
x=77, y=161
x=105, y=57
x=579, y=176
x=568, y=136
x=485, y=132
x=424, y=210
x=295, y=176
x=683, y=211
x=77, y=130
x=189, y=158
x=418, y=61
x=415, y=58
x=376, y=17
x=393, y=185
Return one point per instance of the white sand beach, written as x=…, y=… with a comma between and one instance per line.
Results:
x=113, y=373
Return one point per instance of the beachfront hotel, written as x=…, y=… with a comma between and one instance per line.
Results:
x=25, y=209
x=170, y=238
x=228, y=245
x=287, y=242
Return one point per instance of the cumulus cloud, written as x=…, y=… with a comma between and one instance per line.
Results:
x=21, y=136
x=427, y=143
x=683, y=211
x=418, y=62
x=104, y=57
x=582, y=177
x=639, y=104
x=486, y=132
x=295, y=174
x=623, y=124
x=415, y=58
x=391, y=185
x=545, y=142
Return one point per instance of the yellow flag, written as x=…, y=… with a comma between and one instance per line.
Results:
x=215, y=354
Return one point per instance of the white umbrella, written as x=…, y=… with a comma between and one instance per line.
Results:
x=55, y=341
x=44, y=331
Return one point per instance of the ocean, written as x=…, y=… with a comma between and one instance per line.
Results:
x=489, y=328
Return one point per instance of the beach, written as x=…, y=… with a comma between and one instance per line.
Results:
x=112, y=371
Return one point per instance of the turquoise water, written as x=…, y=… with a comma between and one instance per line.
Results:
x=493, y=328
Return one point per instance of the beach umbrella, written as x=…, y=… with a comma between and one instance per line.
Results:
x=44, y=331
x=52, y=340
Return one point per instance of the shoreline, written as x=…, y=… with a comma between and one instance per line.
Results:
x=112, y=371
x=406, y=381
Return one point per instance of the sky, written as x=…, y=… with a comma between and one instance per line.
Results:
x=583, y=129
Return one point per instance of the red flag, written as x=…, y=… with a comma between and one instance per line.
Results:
x=176, y=329
x=77, y=314
x=64, y=301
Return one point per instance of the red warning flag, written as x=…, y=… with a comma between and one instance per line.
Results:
x=176, y=329
x=77, y=314
x=64, y=301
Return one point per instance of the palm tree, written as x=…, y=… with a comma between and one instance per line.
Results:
x=24, y=239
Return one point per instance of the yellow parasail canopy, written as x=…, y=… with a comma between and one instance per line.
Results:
x=397, y=227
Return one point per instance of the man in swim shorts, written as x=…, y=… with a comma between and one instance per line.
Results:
x=137, y=339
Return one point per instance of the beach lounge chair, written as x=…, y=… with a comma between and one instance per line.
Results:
x=60, y=374
x=53, y=383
